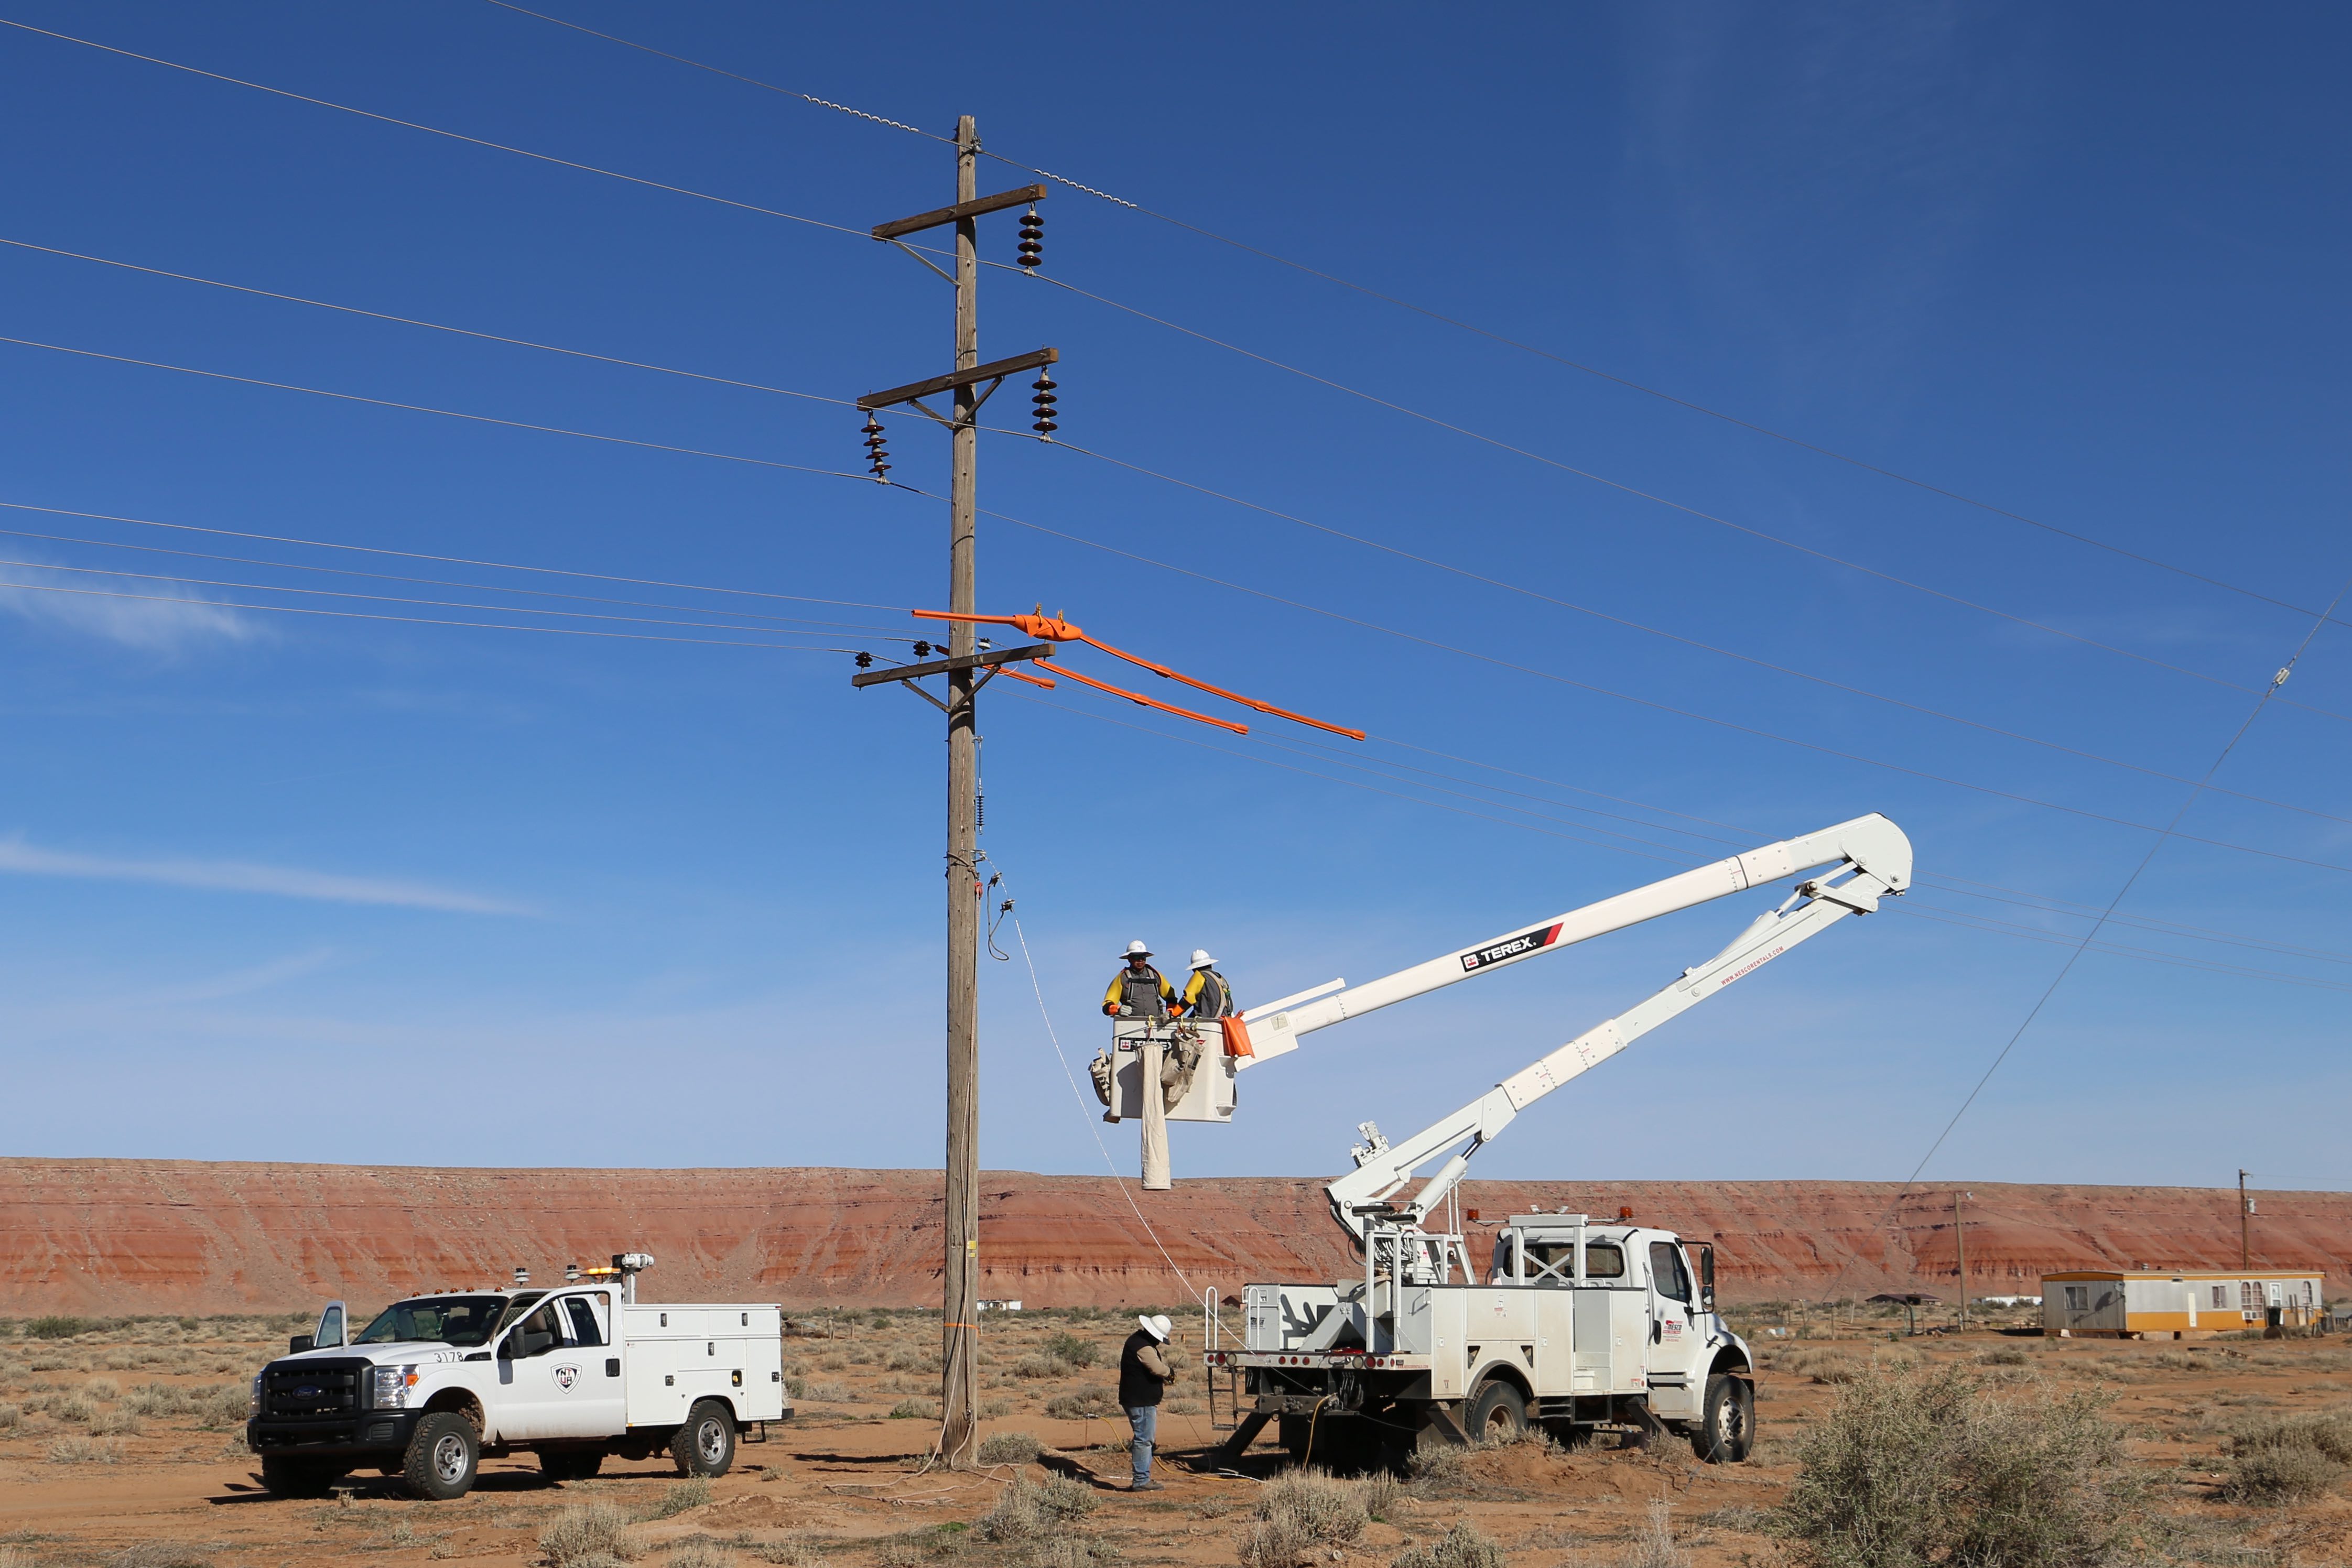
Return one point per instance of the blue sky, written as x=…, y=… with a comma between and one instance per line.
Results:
x=281, y=886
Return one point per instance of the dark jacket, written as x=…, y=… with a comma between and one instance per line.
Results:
x=1140, y=1383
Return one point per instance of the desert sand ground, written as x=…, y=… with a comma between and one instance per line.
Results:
x=124, y=1445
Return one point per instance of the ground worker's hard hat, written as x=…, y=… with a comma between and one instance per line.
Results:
x=1138, y=950
x=1200, y=959
x=1158, y=1326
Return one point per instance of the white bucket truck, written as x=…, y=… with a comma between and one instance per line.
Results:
x=1569, y=1323
x=572, y=1373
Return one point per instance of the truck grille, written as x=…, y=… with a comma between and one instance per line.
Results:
x=312, y=1388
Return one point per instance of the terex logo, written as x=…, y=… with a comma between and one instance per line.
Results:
x=1511, y=948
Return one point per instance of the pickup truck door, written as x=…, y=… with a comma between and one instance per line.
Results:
x=594, y=1404
x=1675, y=1386
x=538, y=1371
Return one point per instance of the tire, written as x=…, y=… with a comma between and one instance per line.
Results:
x=1726, y=1430
x=705, y=1445
x=299, y=1477
x=1498, y=1413
x=443, y=1456
x=570, y=1464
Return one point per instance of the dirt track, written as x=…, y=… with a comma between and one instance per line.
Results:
x=842, y=1483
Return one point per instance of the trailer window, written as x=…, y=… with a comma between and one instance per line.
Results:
x=1603, y=1261
x=1667, y=1274
x=584, y=1329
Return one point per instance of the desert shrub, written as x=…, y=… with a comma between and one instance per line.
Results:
x=2006, y=1355
x=1024, y=1512
x=84, y=1451
x=1300, y=1515
x=103, y=1388
x=1042, y=1366
x=1008, y=1449
x=2291, y=1460
x=11, y=1417
x=1069, y=1348
x=586, y=1536
x=915, y=1410
x=13, y=1557
x=1912, y=1467
x=160, y=1554
x=1382, y=1496
x=701, y=1551
x=793, y=1552
x=58, y=1328
x=691, y=1492
x=115, y=1424
x=1086, y=1402
x=1462, y=1547
x=995, y=1409
x=223, y=1404
x=905, y=1360
x=825, y=1393
x=73, y=1408
x=159, y=1399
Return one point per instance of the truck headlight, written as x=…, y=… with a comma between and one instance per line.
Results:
x=253, y=1398
x=389, y=1386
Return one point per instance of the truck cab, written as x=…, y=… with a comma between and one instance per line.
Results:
x=435, y=1382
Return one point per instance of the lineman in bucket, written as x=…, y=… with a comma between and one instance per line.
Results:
x=1206, y=994
x=1141, y=991
x=1144, y=1374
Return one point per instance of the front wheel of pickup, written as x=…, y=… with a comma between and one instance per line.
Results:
x=705, y=1445
x=299, y=1477
x=1727, y=1431
x=442, y=1456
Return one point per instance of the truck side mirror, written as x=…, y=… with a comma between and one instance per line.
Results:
x=1707, y=1277
x=297, y=1344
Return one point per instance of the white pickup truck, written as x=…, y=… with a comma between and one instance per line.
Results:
x=572, y=1373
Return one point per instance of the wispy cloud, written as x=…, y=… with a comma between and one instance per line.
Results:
x=134, y=611
x=240, y=876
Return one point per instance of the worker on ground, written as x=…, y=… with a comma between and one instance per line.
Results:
x=1206, y=994
x=1141, y=991
x=1144, y=1374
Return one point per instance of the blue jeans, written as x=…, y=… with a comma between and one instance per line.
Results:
x=1144, y=1421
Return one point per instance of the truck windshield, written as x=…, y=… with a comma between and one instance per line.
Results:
x=439, y=1320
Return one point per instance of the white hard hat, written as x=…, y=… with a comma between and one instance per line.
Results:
x=1200, y=959
x=1136, y=949
x=1158, y=1326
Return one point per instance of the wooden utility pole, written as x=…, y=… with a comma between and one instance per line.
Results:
x=967, y=670
x=2245, y=1238
x=1961, y=1234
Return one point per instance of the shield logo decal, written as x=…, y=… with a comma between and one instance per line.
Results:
x=565, y=1376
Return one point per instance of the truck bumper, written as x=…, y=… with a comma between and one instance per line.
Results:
x=370, y=1432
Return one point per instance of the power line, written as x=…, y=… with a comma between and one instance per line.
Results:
x=1173, y=326
x=888, y=634
x=445, y=560
x=429, y=326
x=1133, y=467
x=1427, y=642
x=395, y=598
x=437, y=130
x=409, y=619
x=2080, y=947
x=1578, y=365
x=1732, y=725
x=444, y=412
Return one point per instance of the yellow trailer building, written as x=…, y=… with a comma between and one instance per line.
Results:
x=2134, y=1303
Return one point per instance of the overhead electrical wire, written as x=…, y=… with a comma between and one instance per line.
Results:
x=1623, y=488
x=1580, y=366
x=1363, y=541
x=411, y=619
x=1413, y=637
x=444, y=560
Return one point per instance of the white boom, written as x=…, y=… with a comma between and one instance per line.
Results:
x=1871, y=840
x=1874, y=858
